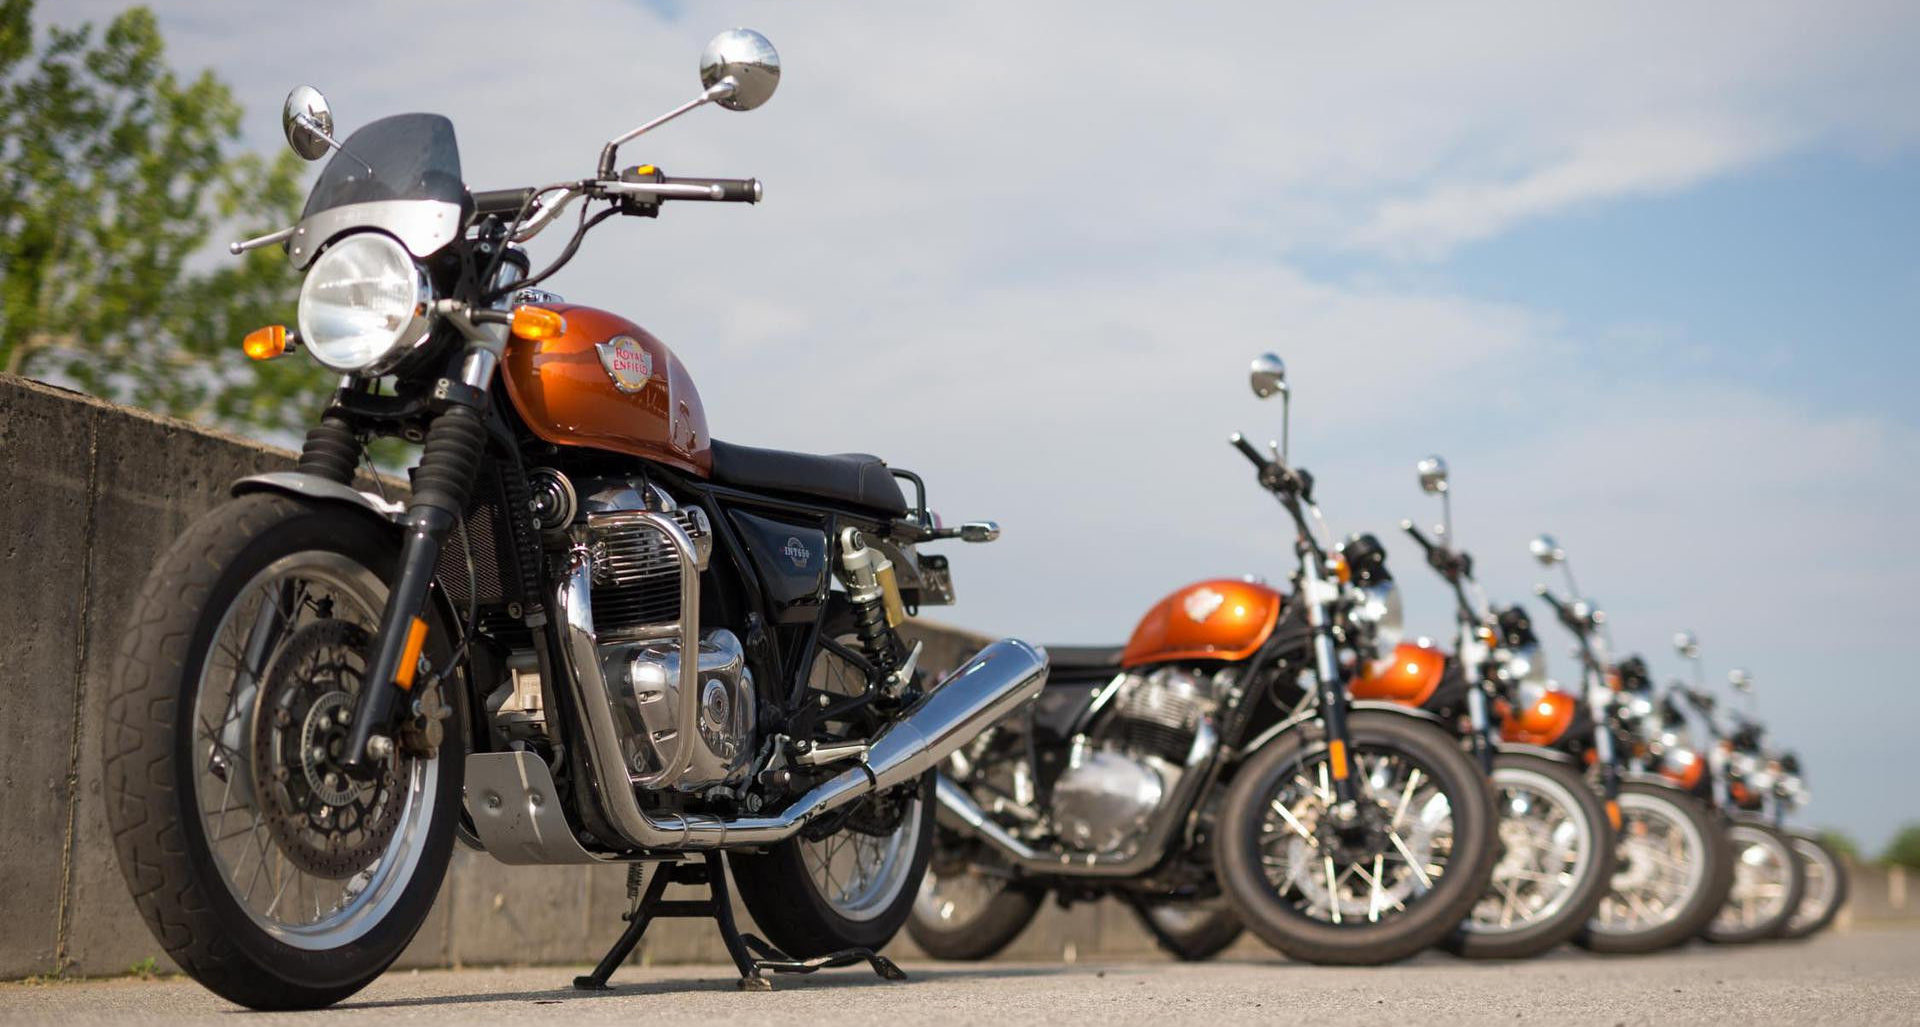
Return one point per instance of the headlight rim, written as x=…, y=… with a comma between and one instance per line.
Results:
x=406, y=341
x=1378, y=614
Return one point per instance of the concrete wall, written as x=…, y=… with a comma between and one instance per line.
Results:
x=89, y=495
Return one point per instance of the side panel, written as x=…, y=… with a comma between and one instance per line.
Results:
x=566, y=393
x=792, y=559
x=1222, y=619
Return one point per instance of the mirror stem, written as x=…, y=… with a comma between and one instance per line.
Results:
x=718, y=91
x=1286, y=425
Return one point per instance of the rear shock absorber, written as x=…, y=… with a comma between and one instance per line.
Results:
x=877, y=609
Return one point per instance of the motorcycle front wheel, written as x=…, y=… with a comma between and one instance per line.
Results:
x=968, y=909
x=1189, y=931
x=1378, y=884
x=268, y=872
x=1672, y=869
x=1767, y=886
x=1556, y=863
x=1826, y=890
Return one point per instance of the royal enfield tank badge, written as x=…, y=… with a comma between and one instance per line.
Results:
x=627, y=362
x=1201, y=603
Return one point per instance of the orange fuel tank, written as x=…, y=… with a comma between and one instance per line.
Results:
x=606, y=383
x=1541, y=722
x=1222, y=619
x=1409, y=678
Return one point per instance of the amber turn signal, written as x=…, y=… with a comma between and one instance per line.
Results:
x=538, y=324
x=1338, y=565
x=265, y=343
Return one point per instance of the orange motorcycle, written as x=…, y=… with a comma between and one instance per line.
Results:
x=1556, y=837
x=1218, y=759
x=592, y=633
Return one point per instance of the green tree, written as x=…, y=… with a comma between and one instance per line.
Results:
x=1840, y=842
x=116, y=174
x=1904, y=850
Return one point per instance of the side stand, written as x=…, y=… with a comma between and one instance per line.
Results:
x=751, y=955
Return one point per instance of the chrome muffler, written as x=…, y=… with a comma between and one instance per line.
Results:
x=989, y=686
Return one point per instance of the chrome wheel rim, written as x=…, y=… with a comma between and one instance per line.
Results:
x=1549, y=849
x=1398, y=850
x=1762, y=879
x=1661, y=866
x=234, y=773
x=953, y=900
x=1821, y=882
x=859, y=872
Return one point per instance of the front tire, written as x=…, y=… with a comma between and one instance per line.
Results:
x=1671, y=873
x=1191, y=932
x=272, y=878
x=1826, y=890
x=1372, y=892
x=1767, y=886
x=1555, y=868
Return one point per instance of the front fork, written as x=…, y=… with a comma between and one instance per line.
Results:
x=1333, y=686
x=442, y=484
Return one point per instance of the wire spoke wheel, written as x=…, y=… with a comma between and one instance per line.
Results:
x=861, y=868
x=315, y=856
x=1767, y=885
x=1661, y=866
x=1549, y=848
x=1365, y=865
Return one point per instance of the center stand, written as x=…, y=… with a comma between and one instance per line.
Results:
x=750, y=954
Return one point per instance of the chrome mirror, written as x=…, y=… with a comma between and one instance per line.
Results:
x=979, y=531
x=1546, y=550
x=1269, y=375
x=747, y=60
x=1433, y=475
x=1686, y=645
x=1741, y=681
x=308, y=122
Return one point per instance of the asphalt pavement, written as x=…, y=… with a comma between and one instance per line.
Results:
x=1859, y=977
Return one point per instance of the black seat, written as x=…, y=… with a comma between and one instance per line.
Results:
x=856, y=478
x=1083, y=657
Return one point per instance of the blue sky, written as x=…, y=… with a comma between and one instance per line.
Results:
x=1645, y=273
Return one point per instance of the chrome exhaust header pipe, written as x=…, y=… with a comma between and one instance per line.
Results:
x=990, y=685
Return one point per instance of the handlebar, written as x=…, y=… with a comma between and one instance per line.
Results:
x=1246, y=448
x=722, y=190
x=501, y=201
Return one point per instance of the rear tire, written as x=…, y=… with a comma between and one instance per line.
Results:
x=155, y=763
x=1698, y=852
x=1826, y=891
x=1565, y=791
x=1192, y=932
x=1767, y=886
x=1429, y=914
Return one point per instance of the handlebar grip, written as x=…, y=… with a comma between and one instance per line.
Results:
x=501, y=201
x=1410, y=528
x=732, y=190
x=1246, y=448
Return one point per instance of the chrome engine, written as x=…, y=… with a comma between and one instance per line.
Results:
x=645, y=607
x=1118, y=774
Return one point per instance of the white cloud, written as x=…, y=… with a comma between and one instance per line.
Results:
x=1027, y=250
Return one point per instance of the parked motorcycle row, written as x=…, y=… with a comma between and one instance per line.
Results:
x=592, y=632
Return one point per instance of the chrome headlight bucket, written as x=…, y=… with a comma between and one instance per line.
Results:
x=1522, y=665
x=1376, y=612
x=364, y=305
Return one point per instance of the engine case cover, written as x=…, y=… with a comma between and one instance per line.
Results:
x=1104, y=800
x=646, y=679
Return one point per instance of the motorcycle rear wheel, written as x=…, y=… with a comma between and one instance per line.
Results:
x=1317, y=921
x=1672, y=869
x=1558, y=858
x=1826, y=890
x=1767, y=886
x=201, y=756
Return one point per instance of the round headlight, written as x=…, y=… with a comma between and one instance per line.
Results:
x=364, y=304
x=1523, y=664
x=1378, y=613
